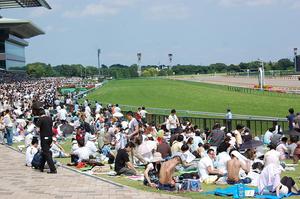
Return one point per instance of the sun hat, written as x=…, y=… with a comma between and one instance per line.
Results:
x=157, y=157
x=223, y=128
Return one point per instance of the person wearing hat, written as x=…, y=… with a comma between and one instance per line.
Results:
x=91, y=145
x=152, y=171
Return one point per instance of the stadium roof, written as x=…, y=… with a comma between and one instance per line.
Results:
x=22, y=28
x=4, y=4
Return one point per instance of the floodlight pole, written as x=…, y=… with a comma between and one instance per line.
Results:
x=139, y=69
x=295, y=59
x=170, y=60
x=261, y=75
x=99, y=71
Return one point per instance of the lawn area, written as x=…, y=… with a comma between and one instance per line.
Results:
x=139, y=185
x=163, y=93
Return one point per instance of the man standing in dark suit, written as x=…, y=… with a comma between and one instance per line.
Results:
x=45, y=124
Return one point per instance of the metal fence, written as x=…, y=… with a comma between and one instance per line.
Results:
x=257, y=126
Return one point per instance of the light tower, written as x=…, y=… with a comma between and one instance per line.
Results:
x=261, y=75
x=295, y=59
x=99, y=67
x=170, y=60
x=139, y=69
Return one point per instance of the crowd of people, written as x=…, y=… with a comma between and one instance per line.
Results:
x=175, y=154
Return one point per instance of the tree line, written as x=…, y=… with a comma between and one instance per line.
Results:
x=120, y=71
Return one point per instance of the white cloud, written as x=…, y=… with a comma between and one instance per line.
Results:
x=100, y=8
x=162, y=11
x=296, y=5
x=246, y=2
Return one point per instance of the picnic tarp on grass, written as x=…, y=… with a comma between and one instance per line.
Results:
x=233, y=191
x=230, y=191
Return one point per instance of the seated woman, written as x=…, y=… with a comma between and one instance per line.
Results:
x=269, y=181
x=152, y=171
x=57, y=150
x=31, y=151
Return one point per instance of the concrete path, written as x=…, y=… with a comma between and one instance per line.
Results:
x=18, y=181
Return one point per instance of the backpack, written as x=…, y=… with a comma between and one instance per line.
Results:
x=37, y=160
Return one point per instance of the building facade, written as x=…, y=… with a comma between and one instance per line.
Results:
x=13, y=33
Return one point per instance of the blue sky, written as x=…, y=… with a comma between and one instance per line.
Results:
x=195, y=31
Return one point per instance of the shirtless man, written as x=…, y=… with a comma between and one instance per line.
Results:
x=233, y=168
x=167, y=170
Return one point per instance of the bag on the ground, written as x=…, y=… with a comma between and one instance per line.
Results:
x=37, y=160
x=192, y=185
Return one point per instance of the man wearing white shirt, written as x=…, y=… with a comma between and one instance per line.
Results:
x=98, y=108
x=117, y=109
x=63, y=114
x=8, y=123
x=208, y=174
x=87, y=111
x=91, y=146
x=80, y=154
x=143, y=114
x=173, y=121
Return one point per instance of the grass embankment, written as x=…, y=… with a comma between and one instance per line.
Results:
x=139, y=185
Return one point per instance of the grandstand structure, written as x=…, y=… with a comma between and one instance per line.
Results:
x=14, y=32
x=5, y=4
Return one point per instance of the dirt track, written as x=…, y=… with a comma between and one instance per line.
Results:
x=285, y=83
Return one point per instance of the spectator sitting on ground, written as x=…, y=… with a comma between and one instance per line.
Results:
x=74, y=146
x=91, y=146
x=57, y=150
x=151, y=173
x=196, y=140
x=269, y=182
x=165, y=149
x=282, y=148
x=292, y=146
x=268, y=135
x=216, y=137
x=177, y=144
x=296, y=155
x=167, y=170
x=31, y=151
x=238, y=134
x=233, y=168
x=206, y=168
x=272, y=156
x=122, y=162
x=199, y=152
x=81, y=154
x=187, y=157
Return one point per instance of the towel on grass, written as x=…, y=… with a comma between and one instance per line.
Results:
x=229, y=191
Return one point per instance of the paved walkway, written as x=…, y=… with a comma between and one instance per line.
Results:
x=18, y=181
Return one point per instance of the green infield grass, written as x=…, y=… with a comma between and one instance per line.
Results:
x=183, y=95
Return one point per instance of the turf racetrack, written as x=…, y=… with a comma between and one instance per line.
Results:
x=163, y=93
